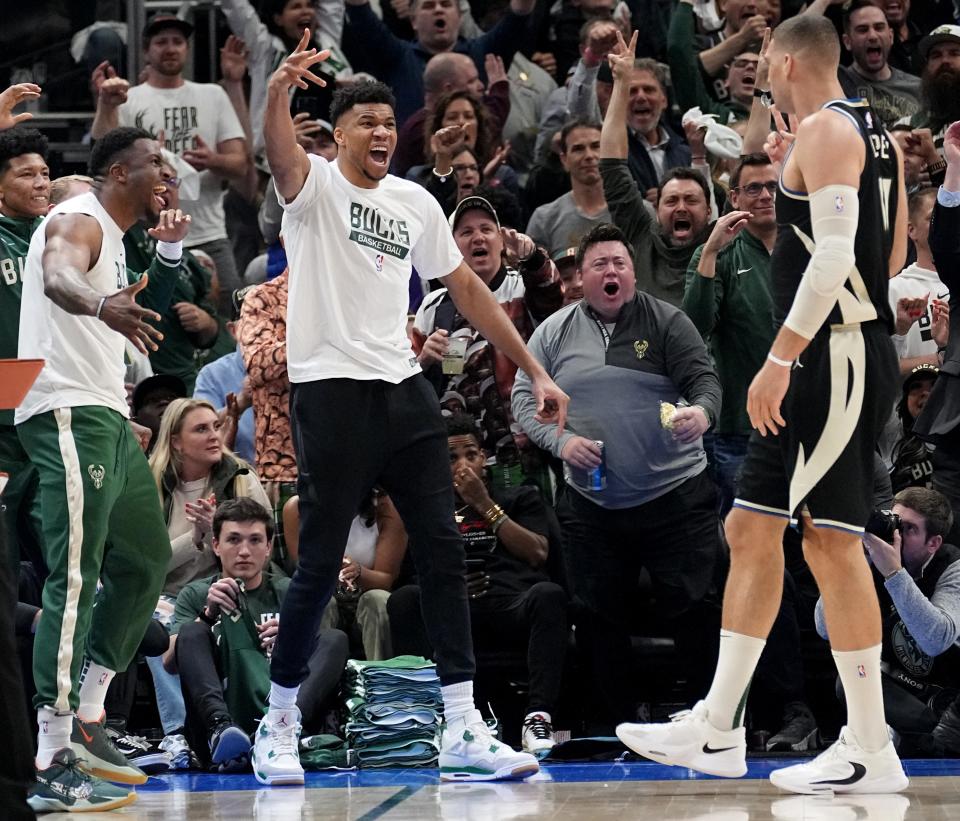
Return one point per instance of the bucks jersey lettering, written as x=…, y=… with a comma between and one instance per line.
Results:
x=370, y=228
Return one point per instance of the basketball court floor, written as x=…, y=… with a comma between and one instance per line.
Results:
x=580, y=792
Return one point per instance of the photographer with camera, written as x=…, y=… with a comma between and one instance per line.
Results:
x=224, y=629
x=917, y=577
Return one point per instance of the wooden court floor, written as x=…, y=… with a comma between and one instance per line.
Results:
x=579, y=792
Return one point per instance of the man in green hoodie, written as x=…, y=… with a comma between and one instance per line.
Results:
x=24, y=197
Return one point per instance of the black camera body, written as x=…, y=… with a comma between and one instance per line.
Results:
x=883, y=524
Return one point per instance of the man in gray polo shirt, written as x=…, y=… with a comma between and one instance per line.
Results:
x=623, y=354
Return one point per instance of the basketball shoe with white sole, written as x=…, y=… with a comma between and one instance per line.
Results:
x=468, y=752
x=276, y=756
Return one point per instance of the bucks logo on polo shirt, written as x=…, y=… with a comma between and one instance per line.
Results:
x=371, y=229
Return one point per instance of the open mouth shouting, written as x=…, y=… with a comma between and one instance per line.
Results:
x=682, y=228
x=160, y=196
x=611, y=287
x=380, y=156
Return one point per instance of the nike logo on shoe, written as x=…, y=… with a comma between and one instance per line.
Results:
x=859, y=771
x=710, y=750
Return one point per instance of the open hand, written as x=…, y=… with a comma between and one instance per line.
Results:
x=121, y=313
x=233, y=59
x=765, y=396
x=12, y=97
x=295, y=70
x=173, y=226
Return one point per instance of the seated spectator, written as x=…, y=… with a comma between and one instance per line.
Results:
x=561, y=224
x=508, y=535
x=223, y=383
x=271, y=38
x=917, y=296
x=189, y=322
x=223, y=630
x=151, y=397
x=662, y=248
x=917, y=577
x=480, y=373
x=892, y=93
x=436, y=24
x=446, y=73
x=642, y=498
x=687, y=78
x=907, y=458
x=371, y=563
x=462, y=111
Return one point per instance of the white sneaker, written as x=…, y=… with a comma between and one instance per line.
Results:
x=845, y=767
x=276, y=757
x=690, y=740
x=537, y=735
x=468, y=752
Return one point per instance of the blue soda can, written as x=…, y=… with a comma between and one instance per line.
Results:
x=597, y=478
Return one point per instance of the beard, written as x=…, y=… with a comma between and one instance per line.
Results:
x=941, y=94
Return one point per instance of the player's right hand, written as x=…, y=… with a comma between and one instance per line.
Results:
x=122, y=313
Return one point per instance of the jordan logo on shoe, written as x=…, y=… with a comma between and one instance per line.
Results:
x=710, y=750
x=282, y=722
x=859, y=771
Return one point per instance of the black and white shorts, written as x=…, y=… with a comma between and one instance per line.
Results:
x=841, y=394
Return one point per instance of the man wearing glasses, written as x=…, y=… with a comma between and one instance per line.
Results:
x=190, y=321
x=727, y=296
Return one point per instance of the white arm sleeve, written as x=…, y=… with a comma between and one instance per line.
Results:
x=834, y=213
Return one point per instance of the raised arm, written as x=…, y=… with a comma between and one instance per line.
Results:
x=288, y=161
x=111, y=94
x=758, y=126
x=613, y=135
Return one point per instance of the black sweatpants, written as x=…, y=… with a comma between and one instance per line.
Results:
x=348, y=436
x=201, y=679
x=536, y=619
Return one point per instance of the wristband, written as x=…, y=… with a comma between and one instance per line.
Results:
x=100, y=306
x=170, y=251
x=934, y=167
x=776, y=360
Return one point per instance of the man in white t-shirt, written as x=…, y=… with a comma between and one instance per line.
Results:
x=915, y=289
x=198, y=124
x=361, y=413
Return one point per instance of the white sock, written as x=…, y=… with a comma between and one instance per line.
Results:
x=727, y=698
x=283, y=698
x=53, y=736
x=860, y=675
x=94, y=681
x=457, y=700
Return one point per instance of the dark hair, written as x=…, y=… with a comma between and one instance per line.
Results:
x=573, y=125
x=367, y=91
x=657, y=69
x=918, y=199
x=110, y=145
x=462, y=424
x=605, y=232
x=852, y=6
x=504, y=202
x=433, y=123
x=809, y=32
x=20, y=140
x=683, y=172
x=934, y=507
x=269, y=9
x=242, y=509
x=745, y=161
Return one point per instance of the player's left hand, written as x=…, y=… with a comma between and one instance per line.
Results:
x=885, y=557
x=766, y=393
x=689, y=424
x=173, y=226
x=551, y=402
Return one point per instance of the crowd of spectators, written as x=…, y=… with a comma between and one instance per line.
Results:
x=619, y=203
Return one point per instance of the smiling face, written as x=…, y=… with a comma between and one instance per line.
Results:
x=480, y=242
x=436, y=24
x=198, y=443
x=25, y=187
x=647, y=102
x=297, y=15
x=868, y=38
x=366, y=136
x=760, y=202
x=607, y=278
x=682, y=211
x=581, y=159
x=166, y=52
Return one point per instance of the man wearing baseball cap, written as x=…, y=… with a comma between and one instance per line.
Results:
x=528, y=293
x=199, y=125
